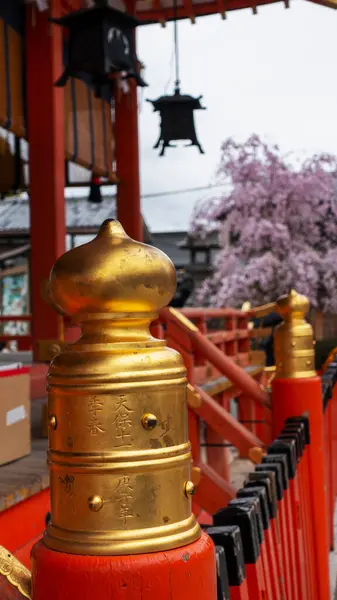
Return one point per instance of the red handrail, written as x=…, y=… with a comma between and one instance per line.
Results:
x=221, y=421
x=223, y=363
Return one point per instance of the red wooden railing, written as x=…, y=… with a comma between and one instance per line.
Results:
x=329, y=393
x=223, y=373
x=215, y=346
x=267, y=531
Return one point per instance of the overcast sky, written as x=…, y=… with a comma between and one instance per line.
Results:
x=274, y=74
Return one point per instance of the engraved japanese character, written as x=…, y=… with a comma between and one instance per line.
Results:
x=165, y=426
x=95, y=406
x=67, y=482
x=121, y=404
x=123, y=422
x=95, y=426
x=124, y=498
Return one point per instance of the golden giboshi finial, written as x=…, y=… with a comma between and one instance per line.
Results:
x=293, y=339
x=112, y=274
x=293, y=306
x=119, y=455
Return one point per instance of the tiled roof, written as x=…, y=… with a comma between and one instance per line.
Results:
x=80, y=214
x=168, y=242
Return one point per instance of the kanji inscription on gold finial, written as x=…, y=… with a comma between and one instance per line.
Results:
x=293, y=339
x=119, y=455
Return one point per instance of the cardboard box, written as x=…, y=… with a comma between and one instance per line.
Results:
x=15, y=439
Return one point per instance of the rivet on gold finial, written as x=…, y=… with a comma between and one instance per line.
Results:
x=149, y=421
x=196, y=475
x=55, y=348
x=52, y=422
x=95, y=503
x=189, y=489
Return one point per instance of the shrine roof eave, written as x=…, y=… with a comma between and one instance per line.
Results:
x=153, y=12
x=159, y=11
x=149, y=15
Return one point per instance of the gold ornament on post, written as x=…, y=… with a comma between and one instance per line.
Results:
x=119, y=455
x=15, y=579
x=293, y=339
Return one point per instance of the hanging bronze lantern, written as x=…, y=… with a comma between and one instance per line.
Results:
x=176, y=111
x=101, y=42
x=177, y=119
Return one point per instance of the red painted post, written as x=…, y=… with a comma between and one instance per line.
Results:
x=44, y=64
x=229, y=538
x=247, y=412
x=254, y=501
x=285, y=576
x=329, y=389
x=328, y=435
x=127, y=161
x=300, y=558
x=217, y=451
x=182, y=573
x=296, y=391
x=300, y=432
x=270, y=556
x=267, y=480
x=244, y=517
x=334, y=435
x=127, y=154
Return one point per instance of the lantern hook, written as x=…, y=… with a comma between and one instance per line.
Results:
x=176, y=48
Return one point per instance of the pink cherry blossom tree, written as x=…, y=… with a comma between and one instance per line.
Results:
x=280, y=217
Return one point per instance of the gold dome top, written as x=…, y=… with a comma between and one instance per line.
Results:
x=112, y=274
x=293, y=305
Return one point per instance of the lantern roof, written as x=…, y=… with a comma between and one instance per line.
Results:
x=177, y=98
